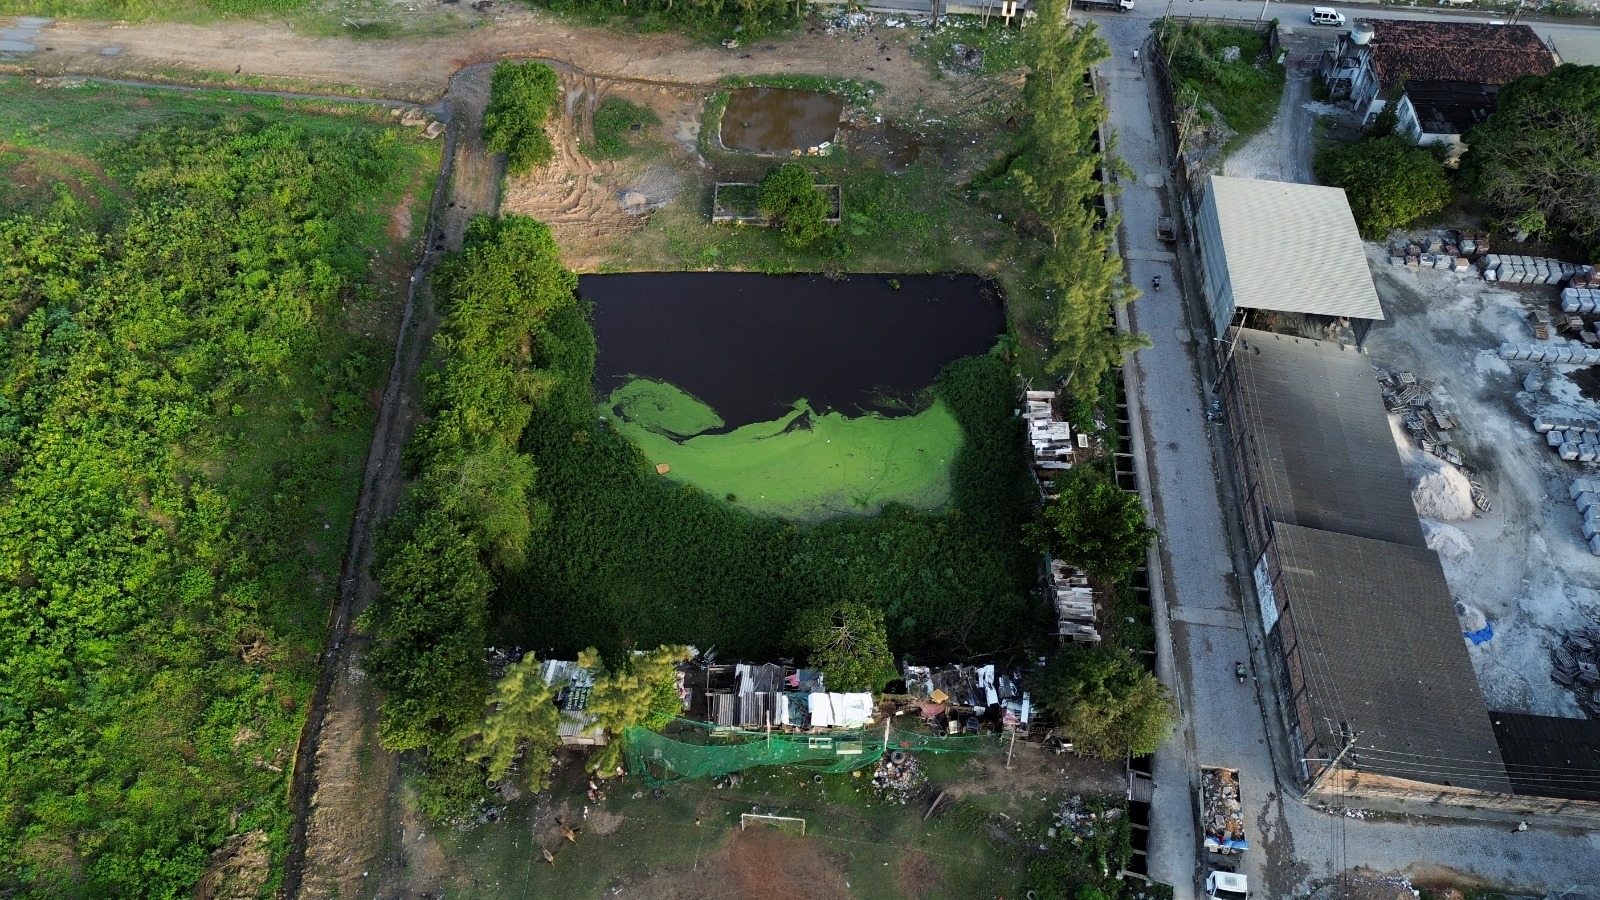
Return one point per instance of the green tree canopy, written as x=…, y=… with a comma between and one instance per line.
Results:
x=1107, y=703
x=847, y=641
x=789, y=196
x=629, y=694
x=524, y=722
x=1539, y=152
x=522, y=95
x=1389, y=181
x=1094, y=525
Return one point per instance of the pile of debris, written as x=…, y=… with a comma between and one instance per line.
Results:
x=1050, y=437
x=1222, y=819
x=1575, y=665
x=1077, y=822
x=1586, y=494
x=899, y=777
x=1527, y=269
x=1574, y=440
x=1427, y=419
x=1076, y=606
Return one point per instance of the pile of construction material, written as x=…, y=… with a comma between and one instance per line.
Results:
x=1451, y=251
x=1559, y=354
x=1076, y=606
x=1574, y=440
x=1426, y=419
x=1527, y=269
x=1575, y=664
x=1051, y=438
x=1586, y=493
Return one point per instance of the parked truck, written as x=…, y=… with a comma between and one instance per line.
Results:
x=1227, y=886
x=1118, y=5
x=1221, y=814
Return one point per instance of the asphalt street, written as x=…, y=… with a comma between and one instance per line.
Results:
x=1205, y=627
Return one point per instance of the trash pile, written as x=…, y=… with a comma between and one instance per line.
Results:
x=899, y=777
x=1575, y=665
x=1075, y=819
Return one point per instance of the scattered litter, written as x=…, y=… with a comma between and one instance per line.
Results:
x=899, y=777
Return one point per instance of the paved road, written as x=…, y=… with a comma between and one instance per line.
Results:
x=1207, y=631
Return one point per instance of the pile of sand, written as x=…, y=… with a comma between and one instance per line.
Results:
x=1438, y=489
x=1448, y=541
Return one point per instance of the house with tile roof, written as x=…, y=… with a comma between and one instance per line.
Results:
x=1444, y=75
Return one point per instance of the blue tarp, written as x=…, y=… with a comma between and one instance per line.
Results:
x=1478, y=637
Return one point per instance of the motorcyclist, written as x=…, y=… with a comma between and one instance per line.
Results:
x=1156, y=283
x=1238, y=671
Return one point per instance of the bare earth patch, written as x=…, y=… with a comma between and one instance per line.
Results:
x=758, y=863
x=237, y=870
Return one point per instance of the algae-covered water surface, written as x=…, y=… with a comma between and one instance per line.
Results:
x=802, y=397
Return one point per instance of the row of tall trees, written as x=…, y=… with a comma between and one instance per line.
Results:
x=1058, y=177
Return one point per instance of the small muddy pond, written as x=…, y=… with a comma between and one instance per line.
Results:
x=749, y=346
x=779, y=120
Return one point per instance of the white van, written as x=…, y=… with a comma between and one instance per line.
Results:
x=1326, y=15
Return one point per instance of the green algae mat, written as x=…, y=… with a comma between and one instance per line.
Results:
x=805, y=465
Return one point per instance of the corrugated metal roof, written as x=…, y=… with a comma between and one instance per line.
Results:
x=1549, y=756
x=1382, y=650
x=1293, y=248
x=1325, y=455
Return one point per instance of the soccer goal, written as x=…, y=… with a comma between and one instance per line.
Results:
x=782, y=823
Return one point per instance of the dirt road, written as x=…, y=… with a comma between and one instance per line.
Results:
x=418, y=70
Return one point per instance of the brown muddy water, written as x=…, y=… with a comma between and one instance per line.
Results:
x=779, y=120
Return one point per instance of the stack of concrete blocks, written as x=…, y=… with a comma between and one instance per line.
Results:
x=1560, y=354
x=1574, y=440
x=1526, y=269
x=1586, y=493
x=1580, y=300
x=1457, y=264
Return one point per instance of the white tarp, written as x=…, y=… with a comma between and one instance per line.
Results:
x=840, y=710
x=821, y=710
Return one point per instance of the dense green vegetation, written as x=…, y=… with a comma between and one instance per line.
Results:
x=1536, y=161
x=632, y=560
x=182, y=425
x=791, y=200
x=1057, y=181
x=746, y=18
x=522, y=96
x=1093, y=524
x=124, y=10
x=470, y=513
x=614, y=120
x=846, y=641
x=1390, y=181
x=1109, y=703
x=1245, y=92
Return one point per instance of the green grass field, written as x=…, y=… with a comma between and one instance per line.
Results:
x=805, y=465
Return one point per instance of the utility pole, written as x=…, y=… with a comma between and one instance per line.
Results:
x=1349, y=744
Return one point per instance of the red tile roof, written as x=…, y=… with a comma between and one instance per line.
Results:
x=1455, y=51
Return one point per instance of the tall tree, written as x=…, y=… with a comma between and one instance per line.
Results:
x=1539, y=152
x=628, y=695
x=525, y=722
x=1093, y=524
x=1389, y=181
x=522, y=95
x=847, y=641
x=1107, y=703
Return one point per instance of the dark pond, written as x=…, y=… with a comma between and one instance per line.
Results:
x=751, y=345
x=778, y=120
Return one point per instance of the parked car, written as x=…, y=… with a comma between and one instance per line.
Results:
x=1327, y=15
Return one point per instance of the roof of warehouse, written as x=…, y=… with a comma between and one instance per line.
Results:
x=1550, y=757
x=1322, y=444
x=1293, y=248
x=1383, y=651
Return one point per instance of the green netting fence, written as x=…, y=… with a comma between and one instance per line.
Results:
x=698, y=750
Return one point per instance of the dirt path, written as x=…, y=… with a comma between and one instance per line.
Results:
x=419, y=69
x=1284, y=151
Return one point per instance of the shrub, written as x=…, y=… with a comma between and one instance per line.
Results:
x=1105, y=701
x=788, y=195
x=521, y=98
x=1390, y=182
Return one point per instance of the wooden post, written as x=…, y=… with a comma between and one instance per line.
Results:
x=1011, y=748
x=886, y=721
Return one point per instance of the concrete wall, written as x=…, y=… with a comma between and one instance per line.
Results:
x=1214, y=266
x=1349, y=788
